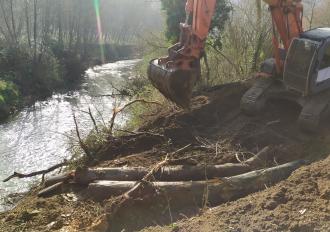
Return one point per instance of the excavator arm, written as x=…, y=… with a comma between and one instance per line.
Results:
x=287, y=25
x=175, y=75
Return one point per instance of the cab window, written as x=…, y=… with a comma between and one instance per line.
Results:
x=324, y=70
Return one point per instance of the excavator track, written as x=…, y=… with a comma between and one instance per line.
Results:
x=253, y=101
x=315, y=109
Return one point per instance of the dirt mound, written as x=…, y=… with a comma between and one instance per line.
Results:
x=301, y=203
x=217, y=129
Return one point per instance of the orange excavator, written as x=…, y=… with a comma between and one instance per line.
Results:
x=300, y=69
x=175, y=75
x=298, y=72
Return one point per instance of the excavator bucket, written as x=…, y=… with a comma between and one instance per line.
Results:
x=175, y=85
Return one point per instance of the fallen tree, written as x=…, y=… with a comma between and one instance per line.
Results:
x=170, y=173
x=192, y=192
x=142, y=200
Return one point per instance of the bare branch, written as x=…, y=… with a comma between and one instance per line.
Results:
x=117, y=111
x=81, y=142
x=42, y=172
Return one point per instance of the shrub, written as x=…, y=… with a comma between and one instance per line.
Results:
x=38, y=76
x=9, y=98
x=46, y=75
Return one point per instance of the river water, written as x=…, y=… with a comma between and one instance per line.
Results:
x=37, y=137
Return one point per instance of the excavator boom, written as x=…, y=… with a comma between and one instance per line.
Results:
x=287, y=24
x=175, y=75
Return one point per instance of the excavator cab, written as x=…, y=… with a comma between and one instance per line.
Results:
x=175, y=75
x=307, y=66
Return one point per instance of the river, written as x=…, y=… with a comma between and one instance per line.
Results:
x=37, y=137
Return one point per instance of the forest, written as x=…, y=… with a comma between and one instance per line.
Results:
x=46, y=46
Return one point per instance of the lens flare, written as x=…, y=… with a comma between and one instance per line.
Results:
x=99, y=28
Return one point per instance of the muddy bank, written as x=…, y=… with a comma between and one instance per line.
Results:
x=217, y=133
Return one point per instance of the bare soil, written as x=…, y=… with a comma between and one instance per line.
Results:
x=299, y=204
x=217, y=133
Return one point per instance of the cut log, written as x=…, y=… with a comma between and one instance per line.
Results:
x=58, y=178
x=52, y=190
x=176, y=173
x=185, y=192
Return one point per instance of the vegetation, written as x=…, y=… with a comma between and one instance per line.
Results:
x=47, y=45
x=234, y=48
x=9, y=96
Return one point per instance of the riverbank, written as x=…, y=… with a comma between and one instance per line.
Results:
x=214, y=132
x=42, y=135
x=24, y=81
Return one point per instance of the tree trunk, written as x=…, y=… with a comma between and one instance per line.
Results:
x=260, y=38
x=13, y=22
x=35, y=24
x=27, y=20
x=171, y=173
x=192, y=192
x=60, y=30
x=6, y=20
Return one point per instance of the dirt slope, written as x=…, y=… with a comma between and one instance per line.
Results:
x=218, y=133
x=301, y=204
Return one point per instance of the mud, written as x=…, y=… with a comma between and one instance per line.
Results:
x=217, y=133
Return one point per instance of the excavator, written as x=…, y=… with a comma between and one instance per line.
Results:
x=298, y=72
x=300, y=69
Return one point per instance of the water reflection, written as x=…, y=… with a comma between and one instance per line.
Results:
x=35, y=138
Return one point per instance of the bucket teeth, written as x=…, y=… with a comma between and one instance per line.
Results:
x=175, y=85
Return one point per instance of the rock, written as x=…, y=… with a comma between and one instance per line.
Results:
x=55, y=225
x=34, y=212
